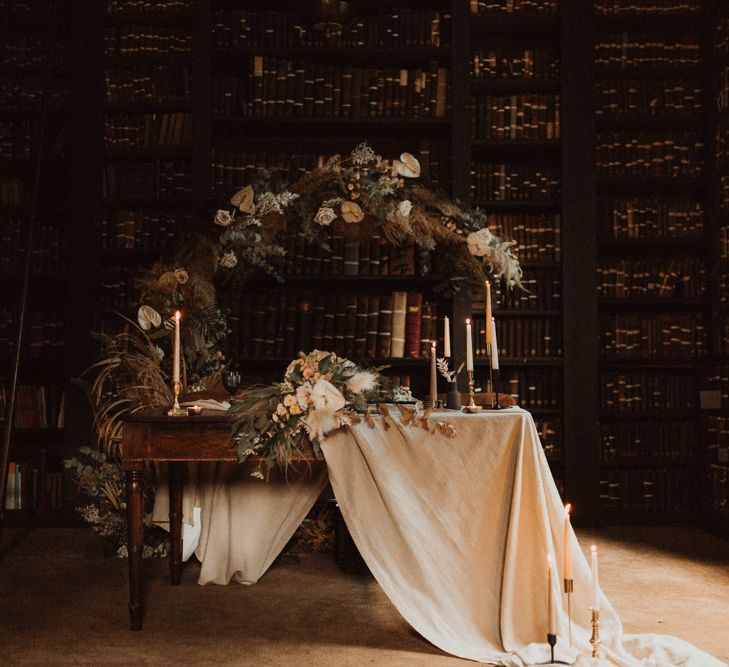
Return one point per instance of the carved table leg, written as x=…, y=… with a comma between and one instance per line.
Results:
x=135, y=544
x=176, y=471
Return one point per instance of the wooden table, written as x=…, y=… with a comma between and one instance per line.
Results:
x=153, y=436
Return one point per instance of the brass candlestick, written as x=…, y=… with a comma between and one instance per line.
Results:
x=176, y=410
x=595, y=638
x=471, y=407
x=568, y=588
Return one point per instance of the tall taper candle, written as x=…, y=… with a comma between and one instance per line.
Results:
x=469, y=347
x=489, y=340
x=494, y=347
x=551, y=597
x=594, y=581
x=446, y=337
x=567, y=563
x=176, y=350
x=433, y=376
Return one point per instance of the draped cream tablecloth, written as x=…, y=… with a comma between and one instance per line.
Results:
x=456, y=531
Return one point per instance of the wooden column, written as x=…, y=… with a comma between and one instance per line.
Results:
x=579, y=253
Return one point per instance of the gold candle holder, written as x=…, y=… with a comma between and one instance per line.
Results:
x=569, y=585
x=595, y=638
x=471, y=407
x=176, y=410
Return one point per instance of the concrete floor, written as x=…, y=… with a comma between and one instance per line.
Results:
x=62, y=603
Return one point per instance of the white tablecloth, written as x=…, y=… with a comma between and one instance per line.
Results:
x=456, y=531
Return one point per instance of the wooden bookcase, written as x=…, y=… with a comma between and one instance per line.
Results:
x=217, y=53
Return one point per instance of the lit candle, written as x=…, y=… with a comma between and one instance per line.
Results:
x=595, y=601
x=566, y=548
x=446, y=337
x=469, y=347
x=551, y=597
x=488, y=313
x=176, y=348
x=433, y=376
x=494, y=346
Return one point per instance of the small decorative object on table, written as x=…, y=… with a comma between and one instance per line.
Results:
x=453, y=398
x=176, y=410
x=231, y=382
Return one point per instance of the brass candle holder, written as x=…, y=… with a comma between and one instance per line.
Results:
x=595, y=638
x=471, y=407
x=176, y=410
x=569, y=585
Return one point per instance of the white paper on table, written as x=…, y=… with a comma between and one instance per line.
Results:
x=208, y=404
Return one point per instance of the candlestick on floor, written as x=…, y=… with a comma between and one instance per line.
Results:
x=595, y=638
x=552, y=641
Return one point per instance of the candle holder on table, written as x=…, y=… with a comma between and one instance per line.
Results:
x=569, y=585
x=471, y=407
x=176, y=410
x=491, y=387
x=453, y=397
x=595, y=638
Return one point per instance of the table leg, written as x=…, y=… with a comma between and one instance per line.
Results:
x=176, y=471
x=135, y=545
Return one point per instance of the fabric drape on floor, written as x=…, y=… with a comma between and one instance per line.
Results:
x=456, y=531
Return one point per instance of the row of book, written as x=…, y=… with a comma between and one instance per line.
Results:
x=717, y=431
x=722, y=93
x=46, y=250
x=15, y=140
x=514, y=62
x=537, y=236
x=11, y=192
x=21, y=93
x=118, y=287
x=721, y=36
x=44, y=338
x=724, y=243
x=672, y=336
x=285, y=87
x=393, y=325
x=514, y=116
x=659, y=490
x=400, y=27
x=542, y=291
x=513, y=6
x=647, y=442
x=36, y=406
x=657, y=154
x=723, y=291
x=551, y=436
x=651, y=218
x=155, y=84
x=161, y=180
x=635, y=392
x=721, y=147
x=371, y=257
x=719, y=485
x=640, y=8
x=634, y=278
x=232, y=170
x=20, y=51
x=142, y=230
x=718, y=381
x=131, y=132
x=31, y=487
x=628, y=97
x=533, y=389
x=521, y=338
x=724, y=192
x=145, y=40
x=514, y=182
x=629, y=51
x=122, y=7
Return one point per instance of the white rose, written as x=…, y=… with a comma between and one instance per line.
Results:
x=404, y=208
x=324, y=216
x=326, y=397
x=303, y=396
x=478, y=242
x=222, y=218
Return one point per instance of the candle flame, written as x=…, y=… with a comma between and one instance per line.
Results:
x=432, y=342
x=593, y=549
x=178, y=315
x=468, y=321
x=568, y=508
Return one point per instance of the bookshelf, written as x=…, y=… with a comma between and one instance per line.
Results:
x=32, y=61
x=651, y=279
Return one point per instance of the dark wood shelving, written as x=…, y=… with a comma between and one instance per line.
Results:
x=683, y=25
x=341, y=281
x=650, y=72
x=155, y=18
x=521, y=26
x=651, y=247
x=652, y=304
x=648, y=364
x=180, y=204
x=549, y=362
x=146, y=60
x=646, y=465
x=139, y=155
x=367, y=55
x=500, y=146
x=493, y=206
x=648, y=123
x=147, y=107
x=244, y=364
x=649, y=415
x=499, y=85
x=38, y=433
x=514, y=313
x=651, y=185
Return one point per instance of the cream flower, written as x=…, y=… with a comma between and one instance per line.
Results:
x=407, y=166
x=327, y=397
x=281, y=410
x=320, y=422
x=478, y=242
x=181, y=276
x=362, y=381
x=148, y=317
x=289, y=400
x=404, y=208
x=243, y=199
x=303, y=396
x=325, y=216
x=228, y=260
x=351, y=212
x=222, y=218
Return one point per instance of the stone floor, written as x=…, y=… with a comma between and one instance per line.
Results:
x=62, y=603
